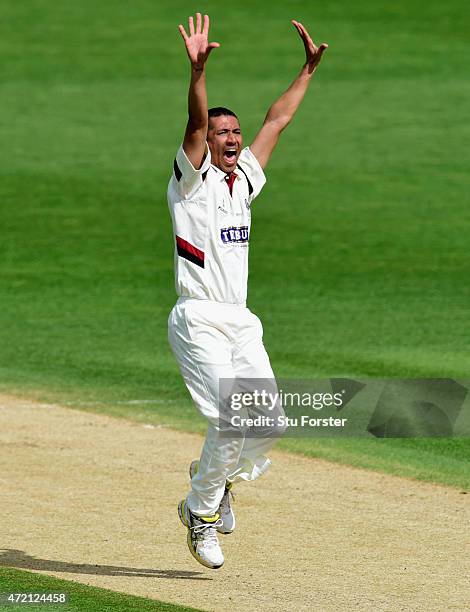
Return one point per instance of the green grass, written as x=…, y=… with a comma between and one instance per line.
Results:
x=431, y=460
x=359, y=251
x=81, y=598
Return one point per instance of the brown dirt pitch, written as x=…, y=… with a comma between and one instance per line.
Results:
x=93, y=499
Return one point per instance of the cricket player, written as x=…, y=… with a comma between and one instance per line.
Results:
x=211, y=331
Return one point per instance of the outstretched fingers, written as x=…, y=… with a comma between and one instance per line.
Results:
x=205, y=29
x=306, y=39
x=304, y=35
x=201, y=27
x=296, y=25
x=197, y=46
x=198, y=23
x=183, y=32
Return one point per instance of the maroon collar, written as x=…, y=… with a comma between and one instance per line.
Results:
x=230, y=179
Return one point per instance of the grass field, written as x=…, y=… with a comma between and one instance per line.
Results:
x=359, y=250
x=79, y=596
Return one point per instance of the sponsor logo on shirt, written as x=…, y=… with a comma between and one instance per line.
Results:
x=234, y=234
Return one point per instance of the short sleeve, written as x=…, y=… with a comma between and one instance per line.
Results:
x=187, y=178
x=253, y=171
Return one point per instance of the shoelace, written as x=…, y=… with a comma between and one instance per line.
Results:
x=207, y=530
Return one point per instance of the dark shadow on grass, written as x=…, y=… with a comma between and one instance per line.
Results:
x=9, y=557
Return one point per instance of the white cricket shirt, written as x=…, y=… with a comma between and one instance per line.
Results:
x=212, y=227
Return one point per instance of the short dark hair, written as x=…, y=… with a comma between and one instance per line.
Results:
x=221, y=111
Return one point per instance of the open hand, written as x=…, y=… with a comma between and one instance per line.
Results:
x=197, y=45
x=312, y=52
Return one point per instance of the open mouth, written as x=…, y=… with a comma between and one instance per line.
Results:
x=230, y=155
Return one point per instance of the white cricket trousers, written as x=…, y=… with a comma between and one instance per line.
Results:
x=212, y=340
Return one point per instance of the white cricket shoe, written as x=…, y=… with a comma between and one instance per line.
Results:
x=202, y=537
x=225, y=509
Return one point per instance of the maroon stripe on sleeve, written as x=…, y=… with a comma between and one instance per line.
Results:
x=177, y=171
x=190, y=252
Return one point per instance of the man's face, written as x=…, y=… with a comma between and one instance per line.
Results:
x=225, y=140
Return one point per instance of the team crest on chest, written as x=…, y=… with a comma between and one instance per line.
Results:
x=238, y=235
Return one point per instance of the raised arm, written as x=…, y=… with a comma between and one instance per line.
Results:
x=282, y=111
x=198, y=49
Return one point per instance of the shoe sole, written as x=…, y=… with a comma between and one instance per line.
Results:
x=192, y=472
x=189, y=541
